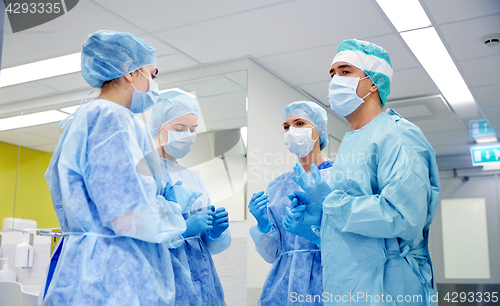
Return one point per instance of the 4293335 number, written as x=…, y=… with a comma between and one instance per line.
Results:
x=33, y=8
x=461, y=297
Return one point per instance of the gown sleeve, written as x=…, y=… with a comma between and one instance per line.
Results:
x=219, y=244
x=267, y=244
x=399, y=210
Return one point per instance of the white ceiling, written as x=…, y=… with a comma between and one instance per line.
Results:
x=296, y=40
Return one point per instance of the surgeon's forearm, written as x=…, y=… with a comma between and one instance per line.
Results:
x=266, y=244
x=373, y=216
x=219, y=244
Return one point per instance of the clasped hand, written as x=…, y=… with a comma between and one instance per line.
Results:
x=214, y=221
x=304, y=210
x=181, y=195
x=298, y=228
x=221, y=221
x=318, y=190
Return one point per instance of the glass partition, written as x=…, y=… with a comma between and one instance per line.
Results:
x=28, y=138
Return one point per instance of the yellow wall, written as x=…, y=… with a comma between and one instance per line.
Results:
x=33, y=199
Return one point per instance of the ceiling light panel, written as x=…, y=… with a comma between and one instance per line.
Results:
x=31, y=119
x=40, y=70
x=432, y=54
x=405, y=15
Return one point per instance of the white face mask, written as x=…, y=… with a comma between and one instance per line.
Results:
x=179, y=143
x=142, y=101
x=299, y=141
x=342, y=94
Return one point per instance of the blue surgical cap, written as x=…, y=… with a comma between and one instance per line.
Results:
x=312, y=112
x=370, y=58
x=107, y=55
x=171, y=105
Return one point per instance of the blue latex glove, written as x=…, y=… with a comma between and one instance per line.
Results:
x=185, y=196
x=304, y=209
x=221, y=222
x=168, y=191
x=258, y=208
x=298, y=228
x=199, y=223
x=318, y=190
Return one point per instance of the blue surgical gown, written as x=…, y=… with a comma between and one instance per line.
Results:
x=375, y=224
x=117, y=229
x=295, y=274
x=196, y=279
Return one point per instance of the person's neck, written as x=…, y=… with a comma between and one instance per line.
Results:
x=314, y=157
x=117, y=95
x=165, y=155
x=365, y=113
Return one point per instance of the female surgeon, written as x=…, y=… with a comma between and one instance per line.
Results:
x=116, y=227
x=292, y=249
x=173, y=123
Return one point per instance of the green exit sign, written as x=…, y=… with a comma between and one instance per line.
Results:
x=482, y=155
x=480, y=128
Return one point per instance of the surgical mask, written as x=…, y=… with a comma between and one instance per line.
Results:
x=342, y=94
x=142, y=101
x=299, y=141
x=179, y=143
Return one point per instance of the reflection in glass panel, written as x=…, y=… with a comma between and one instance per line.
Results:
x=219, y=155
x=9, y=148
x=26, y=142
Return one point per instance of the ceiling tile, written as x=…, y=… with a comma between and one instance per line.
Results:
x=305, y=66
x=465, y=38
x=318, y=90
x=292, y=27
x=174, y=62
x=167, y=14
x=160, y=46
x=10, y=136
x=413, y=111
x=212, y=86
x=67, y=82
x=487, y=96
x=493, y=115
x=444, y=11
x=461, y=136
x=46, y=148
x=435, y=105
x=497, y=129
x=457, y=149
x=411, y=83
x=50, y=131
x=482, y=71
x=239, y=77
x=229, y=123
x=438, y=125
x=25, y=91
x=401, y=55
x=27, y=140
x=61, y=36
x=218, y=109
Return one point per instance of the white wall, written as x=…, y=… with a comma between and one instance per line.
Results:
x=476, y=187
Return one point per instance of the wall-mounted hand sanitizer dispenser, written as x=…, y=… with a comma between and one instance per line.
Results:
x=24, y=254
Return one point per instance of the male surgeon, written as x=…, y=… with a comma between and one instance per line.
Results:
x=376, y=210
